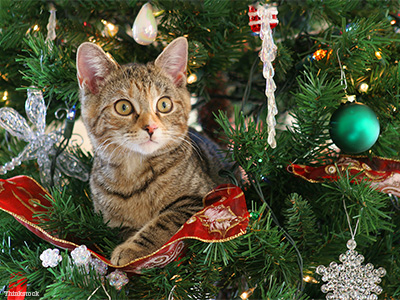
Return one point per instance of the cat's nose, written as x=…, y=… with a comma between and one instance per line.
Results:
x=150, y=129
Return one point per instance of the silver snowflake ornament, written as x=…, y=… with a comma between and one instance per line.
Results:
x=40, y=143
x=350, y=279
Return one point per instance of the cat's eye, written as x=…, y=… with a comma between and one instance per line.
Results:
x=123, y=107
x=164, y=105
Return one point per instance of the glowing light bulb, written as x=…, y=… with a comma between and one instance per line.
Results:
x=363, y=88
x=310, y=279
x=378, y=55
x=34, y=28
x=192, y=78
x=5, y=96
x=350, y=98
x=319, y=54
x=110, y=26
x=109, y=29
x=246, y=294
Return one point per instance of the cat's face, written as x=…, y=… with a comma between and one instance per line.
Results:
x=135, y=108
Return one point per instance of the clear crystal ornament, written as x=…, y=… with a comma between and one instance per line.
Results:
x=351, y=279
x=51, y=25
x=267, y=55
x=41, y=145
x=117, y=279
x=144, y=28
x=99, y=266
x=50, y=258
x=81, y=256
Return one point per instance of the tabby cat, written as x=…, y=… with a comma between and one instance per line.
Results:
x=150, y=171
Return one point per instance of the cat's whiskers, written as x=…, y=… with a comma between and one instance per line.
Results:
x=119, y=146
x=188, y=143
x=136, y=141
x=195, y=148
x=101, y=149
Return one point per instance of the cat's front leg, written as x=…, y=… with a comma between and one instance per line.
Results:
x=149, y=239
x=127, y=252
x=153, y=235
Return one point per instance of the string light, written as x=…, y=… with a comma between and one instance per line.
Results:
x=350, y=98
x=378, y=55
x=34, y=28
x=363, y=88
x=192, y=78
x=109, y=28
x=4, y=76
x=309, y=279
x=246, y=294
x=319, y=54
x=5, y=96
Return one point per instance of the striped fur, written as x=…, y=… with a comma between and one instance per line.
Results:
x=149, y=184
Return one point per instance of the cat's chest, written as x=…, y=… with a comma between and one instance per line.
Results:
x=133, y=195
x=137, y=211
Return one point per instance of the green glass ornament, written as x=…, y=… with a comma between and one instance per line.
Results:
x=354, y=127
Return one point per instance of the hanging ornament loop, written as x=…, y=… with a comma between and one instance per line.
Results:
x=67, y=133
x=353, y=233
x=343, y=80
x=351, y=244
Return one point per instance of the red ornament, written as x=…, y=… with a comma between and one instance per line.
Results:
x=224, y=218
x=255, y=20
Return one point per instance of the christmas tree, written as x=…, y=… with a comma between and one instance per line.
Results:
x=326, y=184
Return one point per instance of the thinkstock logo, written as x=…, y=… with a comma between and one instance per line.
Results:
x=21, y=294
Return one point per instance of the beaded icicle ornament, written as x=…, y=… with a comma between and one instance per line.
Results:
x=262, y=20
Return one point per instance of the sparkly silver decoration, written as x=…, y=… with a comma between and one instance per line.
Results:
x=40, y=144
x=50, y=258
x=117, y=279
x=350, y=279
x=267, y=55
x=99, y=266
x=81, y=255
x=51, y=26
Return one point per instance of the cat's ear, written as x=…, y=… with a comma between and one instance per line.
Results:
x=93, y=65
x=174, y=60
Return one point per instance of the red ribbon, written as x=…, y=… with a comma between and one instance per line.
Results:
x=382, y=173
x=17, y=290
x=224, y=217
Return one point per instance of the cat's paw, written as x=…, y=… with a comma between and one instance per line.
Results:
x=125, y=253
